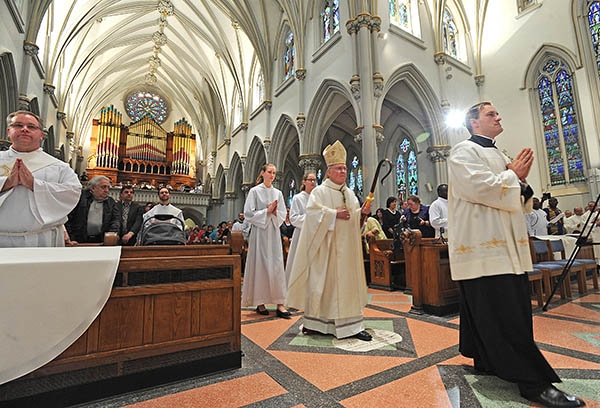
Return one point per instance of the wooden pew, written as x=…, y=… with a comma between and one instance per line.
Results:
x=173, y=313
x=428, y=275
x=386, y=265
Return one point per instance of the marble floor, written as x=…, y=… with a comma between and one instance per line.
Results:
x=413, y=361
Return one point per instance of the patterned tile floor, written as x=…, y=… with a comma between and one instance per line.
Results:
x=412, y=362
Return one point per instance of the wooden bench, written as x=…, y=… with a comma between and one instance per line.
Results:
x=173, y=313
x=387, y=267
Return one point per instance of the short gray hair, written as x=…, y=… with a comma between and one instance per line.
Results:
x=94, y=181
x=10, y=117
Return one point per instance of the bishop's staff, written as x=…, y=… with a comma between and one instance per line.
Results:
x=371, y=197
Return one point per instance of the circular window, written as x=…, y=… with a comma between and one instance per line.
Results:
x=143, y=103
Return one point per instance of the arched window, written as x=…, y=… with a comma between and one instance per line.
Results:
x=560, y=123
x=289, y=56
x=142, y=103
x=355, y=177
x=330, y=18
x=319, y=176
x=400, y=14
x=450, y=34
x=238, y=110
x=407, y=175
x=594, y=25
x=259, y=90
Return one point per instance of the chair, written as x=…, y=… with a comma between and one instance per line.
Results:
x=550, y=271
x=579, y=267
x=535, y=277
x=586, y=254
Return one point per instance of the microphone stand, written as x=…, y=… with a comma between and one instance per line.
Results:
x=582, y=240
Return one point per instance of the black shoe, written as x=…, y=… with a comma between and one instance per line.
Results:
x=553, y=397
x=309, y=332
x=363, y=335
x=284, y=315
x=264, y=312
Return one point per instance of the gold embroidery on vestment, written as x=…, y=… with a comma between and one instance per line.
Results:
x=4, y=170
x=464, y=249
x=494, y=243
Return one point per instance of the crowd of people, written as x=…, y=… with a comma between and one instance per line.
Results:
x=551, y=220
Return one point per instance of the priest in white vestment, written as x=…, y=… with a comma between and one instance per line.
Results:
x=37, y=191
x=489, y=257
x=328, y=279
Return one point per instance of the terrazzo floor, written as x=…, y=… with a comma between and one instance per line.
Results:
x=412, y=362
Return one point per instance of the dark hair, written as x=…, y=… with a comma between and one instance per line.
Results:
x=473, y=113
x=441, y=188
x=389, y=201
x=127, y=187
x=163, y=188
x=379, y=210
x=264, y=168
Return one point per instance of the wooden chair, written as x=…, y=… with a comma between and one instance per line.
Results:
x=586, y=254
x=550, y=271
x=535, y=277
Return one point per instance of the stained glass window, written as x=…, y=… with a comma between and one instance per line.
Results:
x=450, y=34
x=238, y=113
x=560, y=124
x=289, y=56
x=400, y=14
x=319, y=176
x=330, y=18
x=407, y=175
x=143, y=103
x=594, y=24
x=355, y=177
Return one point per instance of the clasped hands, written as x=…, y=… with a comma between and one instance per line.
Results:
x=522, y=163
x=19, y=176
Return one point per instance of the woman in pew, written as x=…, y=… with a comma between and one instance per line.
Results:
x=264, y=277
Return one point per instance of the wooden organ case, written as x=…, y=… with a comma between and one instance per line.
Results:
x=143, y=152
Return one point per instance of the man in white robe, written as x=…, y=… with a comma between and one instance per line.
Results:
x=328, y=279
x=164, y=207
x=438, y=211
x=37, y=191
x=490, y=257
x=574, y=223
x=537, y=220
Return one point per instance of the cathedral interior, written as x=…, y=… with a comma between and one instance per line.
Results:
x=200, y=94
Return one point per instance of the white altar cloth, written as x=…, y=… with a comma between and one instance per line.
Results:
x=48, y=299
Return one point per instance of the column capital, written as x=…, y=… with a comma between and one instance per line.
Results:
x=31, y=49
x=49, y=88
x=438, y=153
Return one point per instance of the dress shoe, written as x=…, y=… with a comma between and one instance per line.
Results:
x=553, y=397
x=264, y=311
x=363, y=335
x=284, y=314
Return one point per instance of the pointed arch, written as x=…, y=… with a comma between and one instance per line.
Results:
x=560, y=140
x=329, y=101
x=255, y=159
x=285, y=136
x=219, y=183
x=8, y=89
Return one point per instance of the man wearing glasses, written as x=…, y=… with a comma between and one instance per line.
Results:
x=491, y=261
x=327, y=279
x=37, y=191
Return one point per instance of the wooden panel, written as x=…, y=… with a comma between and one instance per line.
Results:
x=121, y=323
x=216, y=311
x=172, y=316
x=76, y=349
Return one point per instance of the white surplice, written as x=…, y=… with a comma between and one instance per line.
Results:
x=35, y=218
x=264, y=275
x=297, y=216
x=327, y=279
x=488, y=232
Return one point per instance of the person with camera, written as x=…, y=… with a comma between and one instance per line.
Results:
x=417, y=216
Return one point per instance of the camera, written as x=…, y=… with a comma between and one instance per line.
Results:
x=546, y=196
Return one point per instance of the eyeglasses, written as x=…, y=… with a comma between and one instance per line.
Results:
x=339, y=168
x=310, y=179
x=20, y=126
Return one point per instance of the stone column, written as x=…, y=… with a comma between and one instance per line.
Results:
x=31, y=51
x=310, y=163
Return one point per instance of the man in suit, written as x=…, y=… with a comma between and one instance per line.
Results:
x=130, y=215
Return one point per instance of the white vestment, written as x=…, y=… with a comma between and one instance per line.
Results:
x=35, y=218
x=297, y=216
x=168, y=209
x=486, y=211
x=327, y=280
x=537, y=222
x=438, y=215
x=264, y=276
x=574, y=223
